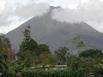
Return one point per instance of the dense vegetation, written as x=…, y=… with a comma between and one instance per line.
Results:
x=37, y=60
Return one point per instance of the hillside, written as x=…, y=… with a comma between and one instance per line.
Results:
x=46, y=30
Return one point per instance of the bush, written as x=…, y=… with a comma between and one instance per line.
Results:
x=98, y=70
x=54, y=73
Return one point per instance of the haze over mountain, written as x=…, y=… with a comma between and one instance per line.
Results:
x=47, y=30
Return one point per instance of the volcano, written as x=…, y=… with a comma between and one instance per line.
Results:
x=45, y=29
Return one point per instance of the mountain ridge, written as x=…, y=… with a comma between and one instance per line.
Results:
x=46, y=30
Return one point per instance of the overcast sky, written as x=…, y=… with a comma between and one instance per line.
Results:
x=15, y=12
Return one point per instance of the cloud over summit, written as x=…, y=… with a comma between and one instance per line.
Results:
x=15, y=12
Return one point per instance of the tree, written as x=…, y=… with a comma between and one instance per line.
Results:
x=6, y=55
x=4, y=42
x=28, y=43
x=43, y=48
x=5, y=47
x=91, y=53
x=89, y=58
x=78, y=43
x=31, y=52
x=98, y=70
x=61, y=55
x=45, y=56
x=28, y=48
x=3, y=65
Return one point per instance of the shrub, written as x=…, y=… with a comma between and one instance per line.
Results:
x=98, y=70
x=54, y=73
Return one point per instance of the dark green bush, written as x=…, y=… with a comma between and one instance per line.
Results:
x=54, y=73
x=98, y=71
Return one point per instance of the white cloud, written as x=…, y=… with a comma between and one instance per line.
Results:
x=88, y=11
x=32, y=10
x=15, y=12
x=2, y=5
x=66, y=15
x=72, y=4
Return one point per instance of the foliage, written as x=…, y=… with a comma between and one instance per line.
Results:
x=91, y=53
x=43, y=48
x=3, y=66
x=5, y=47
x=61, y=55
x=98, y=70
x=54, y=73
x=4, y=42
x=28, y=48
x=28, y=44
x=32, y=52
x=78, y=42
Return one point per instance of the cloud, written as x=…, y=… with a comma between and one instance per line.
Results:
x=15, y=12
x=91, y=11
x=32, y=10
x=2, y=5
x=88, y=11
x=66, y=15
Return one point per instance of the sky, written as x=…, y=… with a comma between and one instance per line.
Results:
x=15, y=12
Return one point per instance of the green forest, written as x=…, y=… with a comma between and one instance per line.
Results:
x=38, y=60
